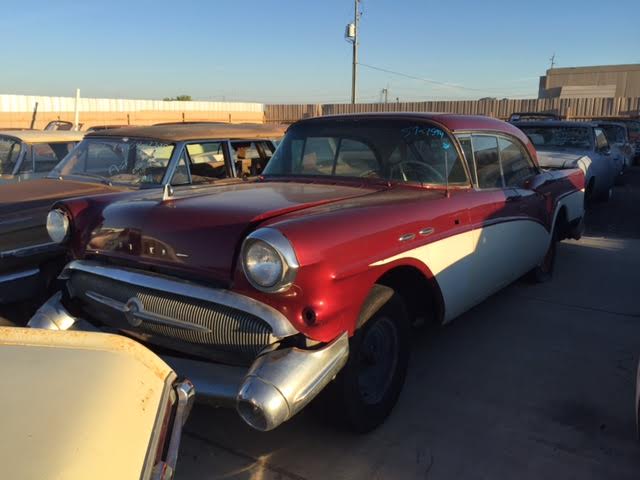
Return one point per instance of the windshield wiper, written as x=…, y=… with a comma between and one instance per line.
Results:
x=100, y=178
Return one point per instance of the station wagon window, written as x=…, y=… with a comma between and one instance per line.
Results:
x=9, y=153
x=487, y=161
x=516, y=164
x=206, y=161
x=392, y=150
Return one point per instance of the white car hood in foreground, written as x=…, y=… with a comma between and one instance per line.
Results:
x=77, y=405
x=558, y=159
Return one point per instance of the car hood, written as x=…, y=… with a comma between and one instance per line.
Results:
x=54, y=425
x=200, y=232
x=24, y=207
x=560, y=158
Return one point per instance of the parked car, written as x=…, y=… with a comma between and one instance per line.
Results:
x=123, y=162
x=536, y=116
x=78, y=405
x=29, y=154
x=262, y=292
x=617, y=135
x=584, y=145
x=633, y=129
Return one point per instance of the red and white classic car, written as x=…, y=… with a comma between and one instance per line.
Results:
x=264, y=292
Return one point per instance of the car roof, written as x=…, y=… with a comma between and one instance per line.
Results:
x=554, y=123
x=200, y=131
x=44, y=136
x=451, y=121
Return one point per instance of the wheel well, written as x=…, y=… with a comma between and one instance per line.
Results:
x=420, y=294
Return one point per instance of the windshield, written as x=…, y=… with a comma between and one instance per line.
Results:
x=118, y=160
x=9, y=151
x=563, y=137
x=391, y=150
x=614, y=133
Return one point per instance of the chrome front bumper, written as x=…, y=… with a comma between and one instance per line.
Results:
x=278, y=384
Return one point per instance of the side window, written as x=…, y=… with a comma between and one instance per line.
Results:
x=487, y=159
x=267, y=149
x=601, y=139
x=206, y=161
x=47, y=155
x=516, y=164
x=467, y=149
x=247, y=158
x=181, y=174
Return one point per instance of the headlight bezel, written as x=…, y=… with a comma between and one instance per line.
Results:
x=66, y=222
x=276, y=241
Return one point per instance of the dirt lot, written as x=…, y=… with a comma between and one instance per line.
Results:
x=536, y=382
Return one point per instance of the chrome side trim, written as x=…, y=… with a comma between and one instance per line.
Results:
x=135, y=313
x=280, y=325
x=30, y=250
x=426, y=231
x=18, y=275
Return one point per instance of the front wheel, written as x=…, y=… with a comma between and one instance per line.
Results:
x=368, y=387
x=543, y=272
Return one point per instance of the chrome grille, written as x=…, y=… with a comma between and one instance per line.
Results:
x=205, y=323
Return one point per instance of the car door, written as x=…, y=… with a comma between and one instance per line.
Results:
x=500, y=217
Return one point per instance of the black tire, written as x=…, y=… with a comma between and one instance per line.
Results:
x=606, y=195
x=544, y=271
x=368, y=387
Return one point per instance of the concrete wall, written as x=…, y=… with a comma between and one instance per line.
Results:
x=16, y=111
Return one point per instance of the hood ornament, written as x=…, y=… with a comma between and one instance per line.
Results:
x=167, y=192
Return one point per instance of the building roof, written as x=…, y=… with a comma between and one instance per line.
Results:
x=196, y=131
x=44, y=136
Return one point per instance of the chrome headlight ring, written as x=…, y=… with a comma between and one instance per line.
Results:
x=58, y=225
x=271, y=242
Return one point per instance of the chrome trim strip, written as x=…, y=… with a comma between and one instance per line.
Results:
x=30, y=250
x=18, y=275
x=426, y=231
x=141, y=314
x=12, y=221
x=280, y=325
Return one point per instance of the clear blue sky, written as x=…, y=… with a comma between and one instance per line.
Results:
x=294, y=51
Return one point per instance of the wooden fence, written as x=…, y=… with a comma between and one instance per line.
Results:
x=578, y=108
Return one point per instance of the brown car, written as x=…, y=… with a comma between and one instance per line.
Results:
x=120, y=162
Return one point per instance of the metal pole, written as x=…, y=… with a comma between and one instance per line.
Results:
x=33, y=117
x=354, y=71
x=76, y=116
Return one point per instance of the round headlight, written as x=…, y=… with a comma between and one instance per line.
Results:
x=268, y=260
x=262, y=264
x=58, y=225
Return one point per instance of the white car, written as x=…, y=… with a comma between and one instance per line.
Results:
x=80, y=405
x=584, y=145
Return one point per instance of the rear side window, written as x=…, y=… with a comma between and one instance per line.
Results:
x=247, y=158
x=516, y=164
x=206, y=161
x=487, y=161
x=601, y=139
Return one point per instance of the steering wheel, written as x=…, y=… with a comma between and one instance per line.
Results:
x=435, y=172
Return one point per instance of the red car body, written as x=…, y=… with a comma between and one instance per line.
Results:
x=444, y=248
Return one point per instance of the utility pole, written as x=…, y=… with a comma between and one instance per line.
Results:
x=553, y=60
x=385, y=94
x=351, y=35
